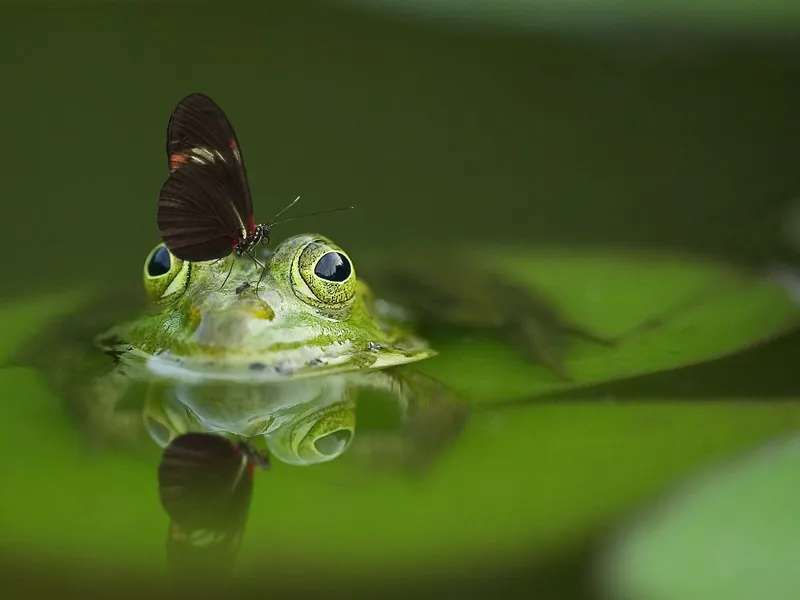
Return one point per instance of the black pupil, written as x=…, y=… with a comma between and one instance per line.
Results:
x=333, y=267
x=160, y=262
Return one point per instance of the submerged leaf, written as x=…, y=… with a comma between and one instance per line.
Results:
x=672, y=311
x=733, y=533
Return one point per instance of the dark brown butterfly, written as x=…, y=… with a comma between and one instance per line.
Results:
x=205, y=210
x=205, y=484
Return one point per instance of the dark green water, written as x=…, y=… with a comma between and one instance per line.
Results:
x=434, y=135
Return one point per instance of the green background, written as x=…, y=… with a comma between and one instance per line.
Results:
x=565, y=130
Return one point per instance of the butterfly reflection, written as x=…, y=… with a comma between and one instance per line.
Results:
x=205, y=483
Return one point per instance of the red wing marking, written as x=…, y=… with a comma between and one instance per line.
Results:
x=178, y=159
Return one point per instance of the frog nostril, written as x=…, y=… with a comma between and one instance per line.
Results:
x=260, y=309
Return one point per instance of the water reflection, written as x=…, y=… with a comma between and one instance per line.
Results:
x=205, y=484
x=215, y=435
x=405, y=419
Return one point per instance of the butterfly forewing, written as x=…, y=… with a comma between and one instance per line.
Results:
x=197, y=122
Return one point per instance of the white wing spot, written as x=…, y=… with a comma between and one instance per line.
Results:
x=203, y=155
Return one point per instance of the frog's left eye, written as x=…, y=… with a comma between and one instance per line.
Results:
x=165, y=275
x=325, y=275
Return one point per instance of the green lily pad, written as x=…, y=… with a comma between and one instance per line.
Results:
x=710, y=309
x=732, y=533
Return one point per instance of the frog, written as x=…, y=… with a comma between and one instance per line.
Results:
x=284, y=350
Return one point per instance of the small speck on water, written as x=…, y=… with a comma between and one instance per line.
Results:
x=257, y=366
x=374, y=346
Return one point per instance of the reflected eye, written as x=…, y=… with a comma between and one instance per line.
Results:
x=334, y=443
x=160, y=262
x=311, y=434
x=333, y=266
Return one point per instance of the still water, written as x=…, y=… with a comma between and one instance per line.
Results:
x=441, y=139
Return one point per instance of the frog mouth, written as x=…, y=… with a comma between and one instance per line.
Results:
x=301, y=362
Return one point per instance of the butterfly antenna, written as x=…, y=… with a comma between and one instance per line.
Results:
x=283, y=210
x=314, y=214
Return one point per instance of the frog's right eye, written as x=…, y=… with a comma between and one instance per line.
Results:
x=165, y=275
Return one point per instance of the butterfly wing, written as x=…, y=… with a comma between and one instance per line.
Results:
x=204, y=481
x=196, y=216
x=204, y=551
x=199, y=127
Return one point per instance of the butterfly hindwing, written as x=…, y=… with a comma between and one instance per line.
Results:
x=195, y=217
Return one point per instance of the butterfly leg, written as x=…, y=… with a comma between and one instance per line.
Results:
x=228, y=275
x=261, y=266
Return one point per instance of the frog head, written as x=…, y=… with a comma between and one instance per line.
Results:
x=297, y=311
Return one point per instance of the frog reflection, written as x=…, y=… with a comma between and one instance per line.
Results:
x=313, y=421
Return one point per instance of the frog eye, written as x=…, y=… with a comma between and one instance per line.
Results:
x=326, y=275
x=165, y=275
x=334, y=267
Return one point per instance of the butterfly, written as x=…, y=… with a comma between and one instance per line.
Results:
x=205, y=208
